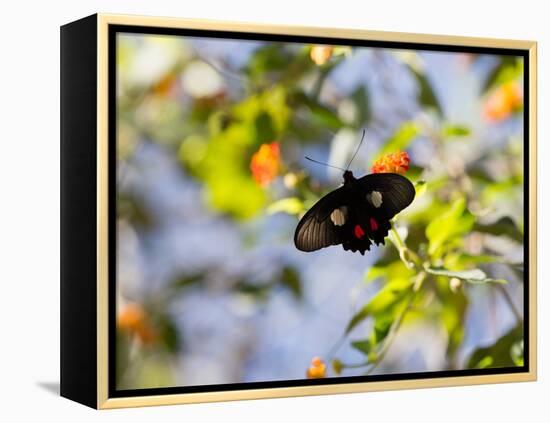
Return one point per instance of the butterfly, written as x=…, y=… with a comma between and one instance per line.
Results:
x=356, y=214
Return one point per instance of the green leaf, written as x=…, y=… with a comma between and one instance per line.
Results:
x=453, y=312
x=259, y=292
x=517, y=353
x=291, y=205
x=265, y=132
x=375, y=272
x=420, y=187
x=400, y=139
x=224, y=169
x=362, y=103
x=170, y=335
x=465, y=259
x=476, y=276
x=337, y=366
x=363, y=346
x=395, y=270
x=291, y=279
x=187, y=280
x=222, y=189
x=358, y=318
x=485, y=362
x=192, y=150
x=152, y=371
x=507, y=69
x=426, y=94
x=131, y=207
x=342, y=50
x=500, y=191
x=450, y=130
x=321, y=114
x=267, y=59
x=505, y=352
x=382, y=326
x=505, y=226
x=272, y=102
x=385, y=300
x=453, y=223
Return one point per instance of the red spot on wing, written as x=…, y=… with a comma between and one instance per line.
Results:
x=373, y=224
x=358, y=232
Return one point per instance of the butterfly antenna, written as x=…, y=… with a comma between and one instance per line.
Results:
x=357, y=150
x=324, y=164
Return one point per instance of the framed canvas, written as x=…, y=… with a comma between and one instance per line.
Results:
x=252, y=211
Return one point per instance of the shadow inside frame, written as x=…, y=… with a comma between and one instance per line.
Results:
x=112, y=119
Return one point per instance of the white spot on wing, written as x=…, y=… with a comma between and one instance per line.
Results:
x=339, y=215
x=375, y=198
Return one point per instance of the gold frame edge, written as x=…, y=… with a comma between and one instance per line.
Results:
x=103, y=400
x=533, y=171
x=102, y=212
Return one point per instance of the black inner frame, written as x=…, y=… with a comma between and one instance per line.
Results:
x=113, y=30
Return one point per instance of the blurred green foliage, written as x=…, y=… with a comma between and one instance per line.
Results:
x=444, y=246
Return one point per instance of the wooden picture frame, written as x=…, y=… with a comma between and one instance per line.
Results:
x=89, y=210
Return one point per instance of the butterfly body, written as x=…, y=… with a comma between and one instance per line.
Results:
x=355, y=215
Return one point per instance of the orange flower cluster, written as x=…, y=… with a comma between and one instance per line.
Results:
x=165, y=85
x=397, y=162
x=265, y=163
x=133, y=319
x=503, y=101
x=317, y=370
x=320, y=54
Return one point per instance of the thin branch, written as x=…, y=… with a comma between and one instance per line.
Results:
x=398, y=323
x=407, y=256
x=510, y=302
x=332, y=352
x=355, y=366
x=414, y=263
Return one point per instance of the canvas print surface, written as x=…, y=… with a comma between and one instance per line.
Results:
x=299, y=211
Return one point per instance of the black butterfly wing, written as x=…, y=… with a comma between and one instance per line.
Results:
x=315, y=230
x=392, y=193
x=397, y=192
x=366, y=219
